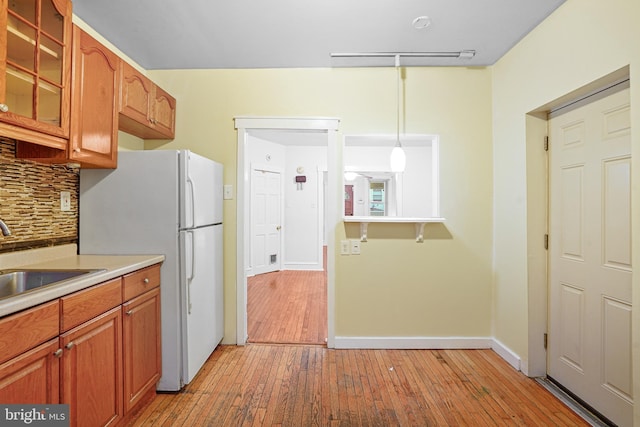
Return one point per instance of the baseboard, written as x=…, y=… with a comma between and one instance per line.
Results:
x=302, y=266
x=509, y=356
x=412, y=343
x=430, y=343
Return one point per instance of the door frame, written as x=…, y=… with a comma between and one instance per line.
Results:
x=612, y=147
x=244, y=126
x=534, y=364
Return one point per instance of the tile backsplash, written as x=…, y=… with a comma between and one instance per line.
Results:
x=30, y=202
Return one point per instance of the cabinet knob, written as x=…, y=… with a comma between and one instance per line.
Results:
x=76, y=150
x=146, y=280
x=70, y=345
x=58, y=353
x=129, y=313
x=4, y=108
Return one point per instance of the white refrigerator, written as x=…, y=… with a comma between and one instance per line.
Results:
x=165, y=202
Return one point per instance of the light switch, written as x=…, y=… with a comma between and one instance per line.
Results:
x=344, y=247
x=228, y=192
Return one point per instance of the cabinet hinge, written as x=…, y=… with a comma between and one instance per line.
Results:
x=545, y=338
x=546, y=143
x=546, y=242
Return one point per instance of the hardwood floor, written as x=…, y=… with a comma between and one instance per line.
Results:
x=303, y=385
x=287, y=307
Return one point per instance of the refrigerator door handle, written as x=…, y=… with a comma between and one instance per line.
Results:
x=193, y=202
x=192, y=269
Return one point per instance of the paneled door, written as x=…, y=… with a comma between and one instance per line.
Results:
x=266, y=219
x=590, y=255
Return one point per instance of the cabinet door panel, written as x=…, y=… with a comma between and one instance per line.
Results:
x=35, y=65
x=136, y=94
x=164, y=115
x=142, y=351
x=32, y=377
x=94, y=115
x=92, y=371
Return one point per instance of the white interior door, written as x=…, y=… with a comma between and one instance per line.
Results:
x=266, y=217
x=590, y=255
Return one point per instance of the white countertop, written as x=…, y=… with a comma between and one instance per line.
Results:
x=111, y=265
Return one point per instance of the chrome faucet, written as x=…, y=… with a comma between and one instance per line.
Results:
x=4, y=228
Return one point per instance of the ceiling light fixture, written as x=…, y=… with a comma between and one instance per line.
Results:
x=350, y=176
x=398, y=158
x=421, y=22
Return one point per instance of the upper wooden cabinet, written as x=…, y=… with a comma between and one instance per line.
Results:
x=35, y=70
x=146, y=110
x=93, y=140
x=94, y=111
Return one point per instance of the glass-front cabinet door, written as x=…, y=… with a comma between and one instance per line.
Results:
x=35, y=91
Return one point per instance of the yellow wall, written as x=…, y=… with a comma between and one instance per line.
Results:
x=581, y=42
x=397, y=287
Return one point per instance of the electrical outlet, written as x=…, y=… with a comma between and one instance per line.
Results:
x=355, y=247
x=65, y=201
x=345, y=249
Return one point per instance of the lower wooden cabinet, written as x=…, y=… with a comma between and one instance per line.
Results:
x=92, y=371
x=87, y=349
x=32, y=377
x=142, y=351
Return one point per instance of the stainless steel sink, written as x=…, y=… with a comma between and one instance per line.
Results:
x=13, y=282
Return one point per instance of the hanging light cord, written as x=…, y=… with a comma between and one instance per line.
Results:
x=398, y=100
x=398, y=157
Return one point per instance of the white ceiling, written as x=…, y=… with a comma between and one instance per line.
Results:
x=179, y=34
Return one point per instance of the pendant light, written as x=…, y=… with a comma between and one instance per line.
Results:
x=398, y=157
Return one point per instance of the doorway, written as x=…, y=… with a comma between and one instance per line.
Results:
x=324, y=129
x=589, y=351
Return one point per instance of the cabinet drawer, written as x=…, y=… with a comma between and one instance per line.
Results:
x=21, y=331
x=87, y=304
x=140, y=282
